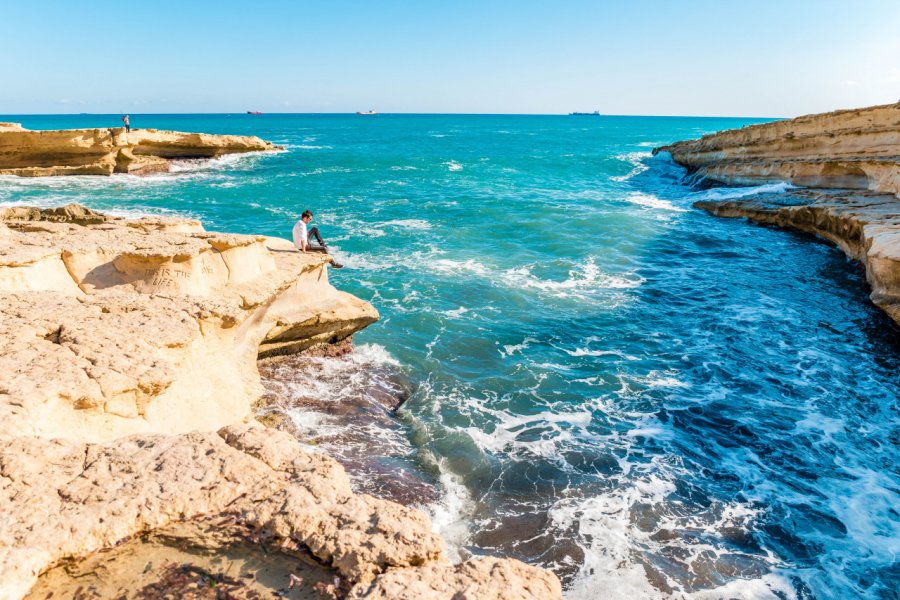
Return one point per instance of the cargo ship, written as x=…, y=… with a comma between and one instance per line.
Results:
x=254, y=112
x=596, y=113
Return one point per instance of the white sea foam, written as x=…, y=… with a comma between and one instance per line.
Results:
x=636, y=160
x=584, y=278
x=323, y=171
x=452, y=515
x=418, y=224
x=510, y=349
x=237, y=161
x=453, y=166
x=446, y=266
x=651, y=201
x=608, y=532
x=731, y=193
x=455, y=313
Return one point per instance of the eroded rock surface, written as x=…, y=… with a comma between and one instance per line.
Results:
x=847, y=149
x=106, y=151
x=71, y=499
x=118, y=327
x=127, y=374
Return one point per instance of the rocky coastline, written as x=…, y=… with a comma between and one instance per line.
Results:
x=129, y=375
x=29, y=153
x=848, y=164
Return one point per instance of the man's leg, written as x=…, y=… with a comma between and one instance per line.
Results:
x=314, y=233
x=321, y=247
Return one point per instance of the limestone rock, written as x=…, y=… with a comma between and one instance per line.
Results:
x=107, y=151
x=856, y=150
x=476, y=579
x=66, y=499
x=119, y=327
x=71, y=499
x=850, y=149
x=128, y=357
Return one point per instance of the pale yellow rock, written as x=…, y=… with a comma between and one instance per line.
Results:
x=846, y=149
x=850, y=149
x=121, y=327
x=476, y=579
x=127, y=371
x=107, y=151
x=71, y=499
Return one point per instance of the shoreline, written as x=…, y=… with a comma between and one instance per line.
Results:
x=847, y=166
x=131, y=351
x=105, y=151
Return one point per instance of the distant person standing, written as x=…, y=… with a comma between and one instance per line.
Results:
x=303, y=237
x=127, y=124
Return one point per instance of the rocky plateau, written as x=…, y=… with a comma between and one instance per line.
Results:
x=128, y=372
x=106, y=151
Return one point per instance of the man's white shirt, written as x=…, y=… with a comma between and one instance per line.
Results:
x=299, y=234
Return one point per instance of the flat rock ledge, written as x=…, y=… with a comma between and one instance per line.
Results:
x=29, y=153
x=127, y=371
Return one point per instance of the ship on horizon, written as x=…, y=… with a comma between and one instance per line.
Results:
x=366, y=112
x=254, y=112
x=596, y=113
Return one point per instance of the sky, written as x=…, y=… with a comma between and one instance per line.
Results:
x=641, y=57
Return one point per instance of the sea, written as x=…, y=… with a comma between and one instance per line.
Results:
x=573, y=366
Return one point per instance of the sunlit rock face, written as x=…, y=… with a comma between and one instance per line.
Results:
x=107, y=151
x=112, y=327
x=128, y=369
x=846, y=149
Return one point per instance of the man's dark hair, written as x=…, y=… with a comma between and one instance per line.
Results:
x=306, y=213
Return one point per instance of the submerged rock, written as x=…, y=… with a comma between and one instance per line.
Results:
x=106, y=151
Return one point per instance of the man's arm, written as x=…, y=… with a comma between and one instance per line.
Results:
x=299, y=238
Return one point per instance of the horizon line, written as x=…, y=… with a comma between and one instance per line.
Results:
x=354, y=113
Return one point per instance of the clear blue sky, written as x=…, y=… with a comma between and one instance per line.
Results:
x=764, y=58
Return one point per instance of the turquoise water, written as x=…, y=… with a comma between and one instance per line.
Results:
x=601, y=380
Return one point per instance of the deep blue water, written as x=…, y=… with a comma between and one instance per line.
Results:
x=602, y=380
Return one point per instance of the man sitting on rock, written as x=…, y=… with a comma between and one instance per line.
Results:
x=303, y=239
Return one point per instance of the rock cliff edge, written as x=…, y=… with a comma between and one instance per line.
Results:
x=850, y=162
x=128, y=356
x=106, y=151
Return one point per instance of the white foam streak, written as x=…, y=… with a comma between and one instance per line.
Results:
x=651, y=201
x=636, y=160
x=585, y=278
x=732, y=193
x=451, y=517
